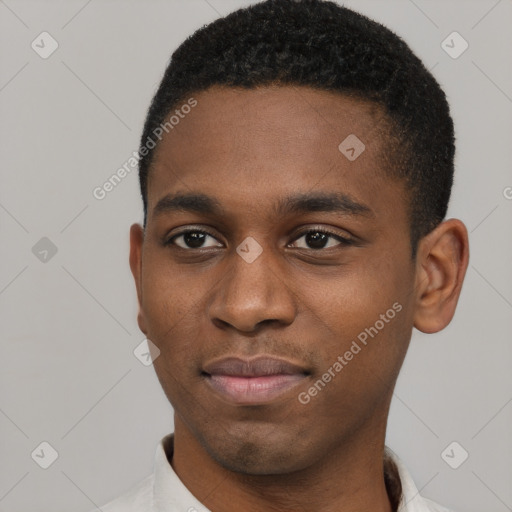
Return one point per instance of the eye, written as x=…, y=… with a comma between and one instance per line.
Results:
x=316, y=239
x=193, y=239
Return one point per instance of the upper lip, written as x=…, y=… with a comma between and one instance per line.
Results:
x=256, y=367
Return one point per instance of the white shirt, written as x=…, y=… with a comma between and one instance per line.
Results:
x=163, y=491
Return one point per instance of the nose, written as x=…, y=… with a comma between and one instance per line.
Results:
x=251, y=295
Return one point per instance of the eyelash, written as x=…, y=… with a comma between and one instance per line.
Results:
x=344, y=241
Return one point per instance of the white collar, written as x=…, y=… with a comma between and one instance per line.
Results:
x=171, y=495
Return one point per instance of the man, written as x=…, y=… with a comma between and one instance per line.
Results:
x=295, y=168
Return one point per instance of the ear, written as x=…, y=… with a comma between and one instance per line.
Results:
x=442, y=260
x=136, y=243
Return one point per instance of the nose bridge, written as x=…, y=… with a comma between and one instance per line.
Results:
x=252, y=290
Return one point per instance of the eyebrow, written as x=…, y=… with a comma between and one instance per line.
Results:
x=198, y=203
x=299, y=203
x=322, y=202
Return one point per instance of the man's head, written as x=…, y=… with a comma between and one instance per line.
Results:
x=264, y=238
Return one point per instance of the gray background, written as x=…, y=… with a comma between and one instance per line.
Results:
x=68, y=375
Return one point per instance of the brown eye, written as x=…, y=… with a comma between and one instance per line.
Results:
x=316, y=239
x=193, y=239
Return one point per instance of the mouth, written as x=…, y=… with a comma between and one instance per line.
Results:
x=254, y=381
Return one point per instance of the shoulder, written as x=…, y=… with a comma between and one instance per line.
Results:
x=411, y=499
x=435, y=507
x=138, y=499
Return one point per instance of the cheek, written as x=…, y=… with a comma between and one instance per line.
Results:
x=367, y=316
x=363, y=357
x=167, y=301
x=170, y=308
x=356, y=300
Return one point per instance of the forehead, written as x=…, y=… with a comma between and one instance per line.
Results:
x=241, y=144
x=274, y=118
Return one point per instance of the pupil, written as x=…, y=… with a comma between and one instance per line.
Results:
x=194, y=239
x=316, y=240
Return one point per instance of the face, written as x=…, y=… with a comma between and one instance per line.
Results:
x=275, y=275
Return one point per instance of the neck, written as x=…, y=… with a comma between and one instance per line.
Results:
x=350, y=478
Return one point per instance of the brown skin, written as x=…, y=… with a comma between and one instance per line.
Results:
x=248, y=149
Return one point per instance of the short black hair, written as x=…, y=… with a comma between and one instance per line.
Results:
x=328, y=47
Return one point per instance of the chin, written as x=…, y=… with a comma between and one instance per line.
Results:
x=256, y=453
x=251, y=459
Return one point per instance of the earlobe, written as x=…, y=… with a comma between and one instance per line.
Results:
x=442, y=260
x=136, y=243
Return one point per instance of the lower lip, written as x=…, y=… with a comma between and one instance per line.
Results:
x=253, y=390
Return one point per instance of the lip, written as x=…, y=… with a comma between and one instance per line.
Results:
x=253, y=381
